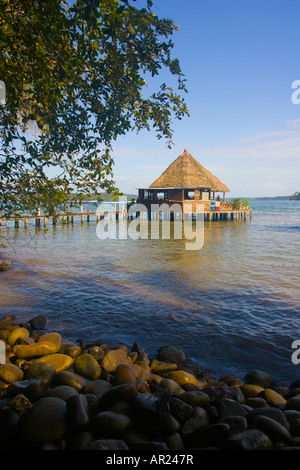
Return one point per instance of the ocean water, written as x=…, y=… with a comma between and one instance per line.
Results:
x=232, y=306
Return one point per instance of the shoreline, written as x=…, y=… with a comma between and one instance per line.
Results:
x=59, y=394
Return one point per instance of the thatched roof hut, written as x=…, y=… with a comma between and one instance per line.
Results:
x=186, y=172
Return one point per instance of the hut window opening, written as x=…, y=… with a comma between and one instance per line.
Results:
x=162, y=195
x=189, y=194
x=148, y=195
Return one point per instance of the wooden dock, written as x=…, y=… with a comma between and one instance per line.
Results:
x=68, y=217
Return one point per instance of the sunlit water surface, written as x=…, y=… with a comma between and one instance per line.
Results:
x=231, y=306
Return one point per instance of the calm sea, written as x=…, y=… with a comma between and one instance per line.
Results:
x=232, y=306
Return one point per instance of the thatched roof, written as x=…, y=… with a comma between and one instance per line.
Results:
x=186, y=172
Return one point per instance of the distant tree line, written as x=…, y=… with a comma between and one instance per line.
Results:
x=295, y=196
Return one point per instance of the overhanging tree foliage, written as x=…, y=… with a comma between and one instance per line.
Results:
x=76, y=79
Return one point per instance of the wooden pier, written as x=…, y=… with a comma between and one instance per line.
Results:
x=68, y=217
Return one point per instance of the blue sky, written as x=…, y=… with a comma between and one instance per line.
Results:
x=240, y=58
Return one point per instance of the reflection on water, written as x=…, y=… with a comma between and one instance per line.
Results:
x=232, y=306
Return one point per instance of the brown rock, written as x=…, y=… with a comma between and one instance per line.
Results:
x=114, y=358
x=10, y=373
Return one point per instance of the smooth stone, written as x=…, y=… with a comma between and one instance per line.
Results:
x=117, y=393
x=53, y=337
x=87, y=366
x=45, y=422
x=16, y=334
x=158, y=367
x=169, y=423
x=273, y=398
x=292, y=415
x=217, y=392
x=124, y=373
x=113, y=358
x=228, y=407
x=283, y=391
x=147, y=402
x=257, y=402
x=195, y=423
x=92, y=403
x=210, y=435
x=180, y=410
x=10, y=373
x=123, y=407
x=28, y=351
x=293, y=404
x=97, y=387
x=174, y=441
x=77, y=411
x=110, y=423
x=107, y=444
x=182, y=377
x=171, y=353
x=38, y=322
x=64, y=392
x=251, y=391
x=271, y=412
x=237, y=424
x=32, y=388
x=171, y=385
x=251, y=439
x=272, y=428
x=41, y=371
x=58, y=361
x=261, y=378
x=70, y=348
x=72, y=379
x=231, y=381
x=196, y=398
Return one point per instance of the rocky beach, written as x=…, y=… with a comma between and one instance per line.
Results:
x=63, y=394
